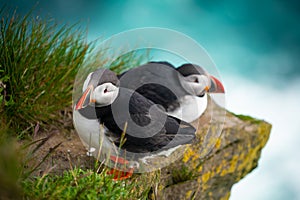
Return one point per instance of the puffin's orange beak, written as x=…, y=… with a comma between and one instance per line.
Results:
x=85, y=99
x=216, y=86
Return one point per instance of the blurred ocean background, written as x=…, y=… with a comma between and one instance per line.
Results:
x=256, y=47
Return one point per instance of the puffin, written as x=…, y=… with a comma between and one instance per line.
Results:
x=182, y=92
x=192, y=106
x=92, y=134
x=147, y=129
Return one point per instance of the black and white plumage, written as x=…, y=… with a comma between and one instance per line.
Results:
x=149, y=129
x=194, y=72
x=181, y=91
x=91, y=132
x=193, y=106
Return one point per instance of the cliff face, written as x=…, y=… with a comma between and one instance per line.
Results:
x=235, y=154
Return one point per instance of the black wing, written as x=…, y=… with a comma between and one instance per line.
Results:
x=157, y=131
x=149, y=128
x=173, y=134
x=157, y=81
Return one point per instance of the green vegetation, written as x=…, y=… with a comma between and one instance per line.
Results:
x=182, y=174
x=10, y=165
x=39, y=61
x=38, y=64
x=77, y=184
x=247, y=118
x=18, y=182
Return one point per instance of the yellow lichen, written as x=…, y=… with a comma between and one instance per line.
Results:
x=218, y=143
x=200, y=168
x=199, y=179
x=232, y=167
x=195, y=157
x=226, y=196
x=188, y=194
x=206, y=176
x=188, y=154
x=218, y=169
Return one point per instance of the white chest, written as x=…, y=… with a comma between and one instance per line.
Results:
x=92, y=134
x=191, y=108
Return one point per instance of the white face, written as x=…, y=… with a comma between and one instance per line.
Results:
x=105, y=94
x=196, y=84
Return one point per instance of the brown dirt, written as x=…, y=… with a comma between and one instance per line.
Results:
x=62, y=148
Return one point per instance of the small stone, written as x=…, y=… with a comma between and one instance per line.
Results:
x=90, y=151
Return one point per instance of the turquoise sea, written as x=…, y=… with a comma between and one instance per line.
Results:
x=256, y=47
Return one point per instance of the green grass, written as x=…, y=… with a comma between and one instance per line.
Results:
x=77, y=184
x=38, y=63
x=247, y=118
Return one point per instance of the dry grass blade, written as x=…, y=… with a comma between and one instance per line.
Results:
x=43, y=141
x=51, y=150
x=72, y=170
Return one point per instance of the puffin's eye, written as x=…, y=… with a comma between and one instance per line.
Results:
x=196, y=80
x=106, y=90
x=201, y=95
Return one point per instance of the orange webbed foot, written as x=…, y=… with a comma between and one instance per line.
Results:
x=119, y=175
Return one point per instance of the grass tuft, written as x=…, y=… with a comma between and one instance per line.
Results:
x=38, y=63
x=77, y=184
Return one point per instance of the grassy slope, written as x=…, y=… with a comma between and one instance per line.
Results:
x=38, y=65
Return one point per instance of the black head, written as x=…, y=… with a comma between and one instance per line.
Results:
x=190, y=69
x=103, y=75
x=100, y=89
x=198, y=77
